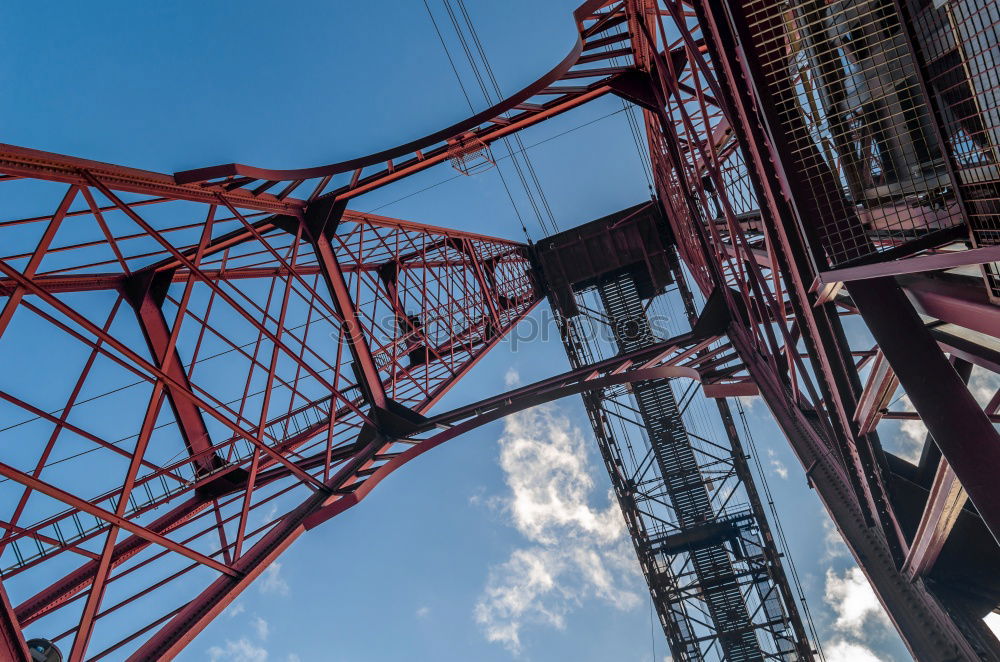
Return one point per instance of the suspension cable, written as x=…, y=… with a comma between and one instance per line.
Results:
x=501, y=158
x=633, y=125
x=468, y=100
x=517, y=136
x=536, y=200
x=451, y=61
x=776, y=522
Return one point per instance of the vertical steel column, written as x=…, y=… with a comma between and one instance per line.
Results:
x=958, y=425
x=12, y=645
x=713, y=572
x=145, y=292
x=928, y=630
x=682, y=478
x=803, y=648
x=321, y=220
x=910, y=604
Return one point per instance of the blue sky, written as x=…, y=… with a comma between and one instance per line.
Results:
x=432, y=564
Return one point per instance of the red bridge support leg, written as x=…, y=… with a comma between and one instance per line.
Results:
x=12, y=644
x=143, y=295
x=959, y=426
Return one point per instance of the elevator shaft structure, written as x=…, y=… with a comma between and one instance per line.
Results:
x=713, y=568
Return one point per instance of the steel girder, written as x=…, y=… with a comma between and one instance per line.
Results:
x=765, y=272
x=321, y=334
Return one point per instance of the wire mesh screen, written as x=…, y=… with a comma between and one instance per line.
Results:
x=865, y=166
x=471, y=157
x=958, y=44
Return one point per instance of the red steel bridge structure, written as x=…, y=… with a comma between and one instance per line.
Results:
x=826, y=214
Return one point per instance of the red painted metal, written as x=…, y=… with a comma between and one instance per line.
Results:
x=958, y=424
x=24, y=163
x=281, y=435
x=933, y=262
x=663, y=360
x=766, y=267
x=944, y=505
x=162, y=346
x=339, y=331
x=352, y=329
x=17, y=293
x=956, y=301
x=877, y=393
x=485, y=127
x=12, y=644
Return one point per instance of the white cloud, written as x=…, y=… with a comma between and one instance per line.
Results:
x=490, y=502
x=777, y=466
x=512, y=377
x=832, y=541
x=992, y=621
x=268, y=515
x=840, y=650
x=292, y=657
x=515, y=590
x=261, y=627
x=914, y=434
x=983, y=385
x=241, y=650
x=577, y=552
x=235, y=609
x=859, y=619
x=546, y=467
x=853, y=602
x=271, y=582
x=748, y=401
x=423, y=612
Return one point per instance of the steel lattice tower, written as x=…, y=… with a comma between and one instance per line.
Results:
x=690, y=502
x=824, y=172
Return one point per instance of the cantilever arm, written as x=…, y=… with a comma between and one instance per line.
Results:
x=483, y=127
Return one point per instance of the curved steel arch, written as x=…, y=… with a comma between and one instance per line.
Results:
x=237, y=175
x=531, y=398
x=240, y=169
